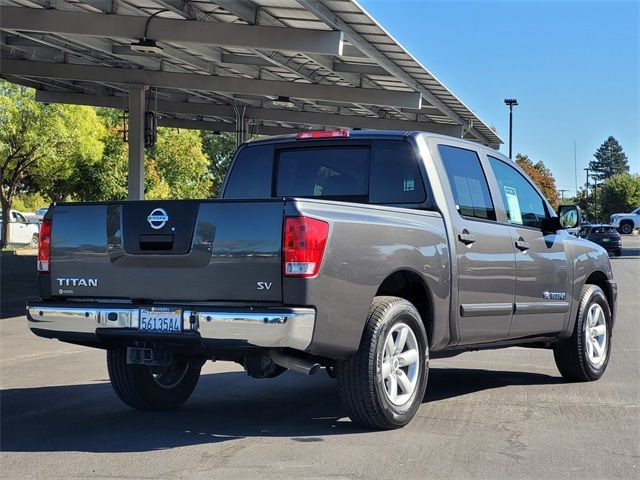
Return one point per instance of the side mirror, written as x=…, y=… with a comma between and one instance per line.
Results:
x=569, y=216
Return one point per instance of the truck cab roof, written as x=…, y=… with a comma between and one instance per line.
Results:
x=359, y=135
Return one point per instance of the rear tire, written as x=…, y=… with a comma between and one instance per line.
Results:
x=383, y=384
x=585, y=355
x=34, y=241
x=151, y=388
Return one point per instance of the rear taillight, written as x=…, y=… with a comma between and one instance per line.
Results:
x=304, y=242
x=44, y=247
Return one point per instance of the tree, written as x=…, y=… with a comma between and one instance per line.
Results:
x=619, y=194
x=56, y=176
x=542, y=177
x=220, y=149
x=105, y=179
x=175, y=167
x=33, y=136
x=609, y=160
x=583, y=202
x=179, y=162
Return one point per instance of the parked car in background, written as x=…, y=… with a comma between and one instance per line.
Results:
x=40, y=212
x=604, y=235
x=626, y=222
x=21, y=232
x=574, y=230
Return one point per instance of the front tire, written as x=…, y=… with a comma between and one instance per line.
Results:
x=382, y=385
x=585, y=355
x=626, y=228
x=151, y=388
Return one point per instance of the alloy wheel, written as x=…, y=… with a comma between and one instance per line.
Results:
x=400, y=368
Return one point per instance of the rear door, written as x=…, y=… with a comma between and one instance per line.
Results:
x=542, y=263
x=484, y=251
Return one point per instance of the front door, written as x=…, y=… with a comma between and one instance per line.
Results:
x=483, y=249
x=542, y=286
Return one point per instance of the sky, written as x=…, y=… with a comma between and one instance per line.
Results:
x=573, y=66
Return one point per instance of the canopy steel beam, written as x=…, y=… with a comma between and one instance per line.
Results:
x=255, y=113
x=221, y=126
x=342, y=67
x=172, y=30
x=189, y=81
x=361, y=69
x=239, y=8
x=326, y=61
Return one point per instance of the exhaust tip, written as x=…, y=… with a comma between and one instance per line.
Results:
x=297, y=363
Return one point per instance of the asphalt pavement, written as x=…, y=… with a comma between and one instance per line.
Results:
x=504, y=414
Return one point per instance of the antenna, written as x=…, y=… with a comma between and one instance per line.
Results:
x=575, y=166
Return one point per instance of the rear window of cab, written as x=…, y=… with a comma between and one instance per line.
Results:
x=377, y=172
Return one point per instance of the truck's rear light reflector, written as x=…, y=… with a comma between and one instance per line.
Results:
x=304, y=242
x=323, y=134
x=44, y=247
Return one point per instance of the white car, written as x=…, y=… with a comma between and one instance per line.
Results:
x=21, y=232
x=626, y=222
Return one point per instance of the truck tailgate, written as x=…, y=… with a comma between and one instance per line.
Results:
x=218, y=250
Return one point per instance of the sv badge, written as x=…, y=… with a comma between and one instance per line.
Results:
x=264, y=285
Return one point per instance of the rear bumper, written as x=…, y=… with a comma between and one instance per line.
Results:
x=251, y=326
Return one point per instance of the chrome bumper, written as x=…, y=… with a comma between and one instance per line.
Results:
x=278, y=327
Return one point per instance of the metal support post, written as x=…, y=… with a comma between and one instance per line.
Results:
x=136, y=142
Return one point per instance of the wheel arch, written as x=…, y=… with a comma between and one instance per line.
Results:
x=408, y=284
x=600, y=279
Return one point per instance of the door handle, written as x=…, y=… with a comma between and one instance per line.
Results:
x=466, y=238
x=522, y=245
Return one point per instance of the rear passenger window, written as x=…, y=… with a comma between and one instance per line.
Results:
x=251, y=174
x=395, y=176
x=379, y=172
x=468, y=183
x=523, y=204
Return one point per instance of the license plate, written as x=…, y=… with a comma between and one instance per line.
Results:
x=605, y=240
x=160, y=320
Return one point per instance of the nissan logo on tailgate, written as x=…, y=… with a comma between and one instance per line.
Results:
x=158, y=218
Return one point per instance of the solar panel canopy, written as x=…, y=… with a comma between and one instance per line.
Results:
x=250, y=66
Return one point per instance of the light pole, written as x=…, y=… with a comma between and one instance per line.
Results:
x=511, y=102
x=586, y=193
x=562, y=190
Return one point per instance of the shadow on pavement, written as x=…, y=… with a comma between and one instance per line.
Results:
x=225, y=406
x=454, y=382
x=18, y=283
x=630, y=252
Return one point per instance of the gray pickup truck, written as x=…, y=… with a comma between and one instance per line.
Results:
x=362, y=252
